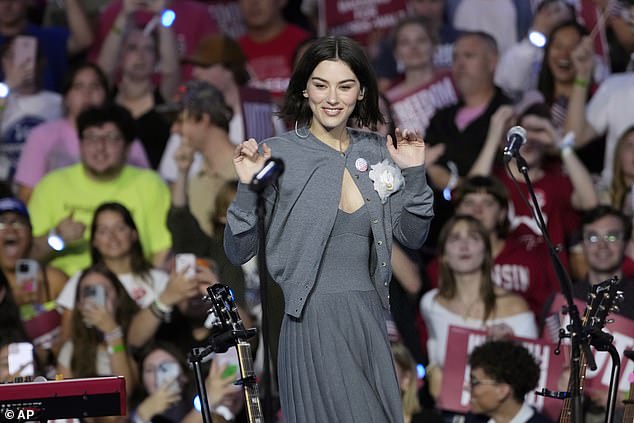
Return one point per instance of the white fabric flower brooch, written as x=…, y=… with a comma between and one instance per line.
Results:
x=387, y=179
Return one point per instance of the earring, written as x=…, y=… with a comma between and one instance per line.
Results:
x=305, y=93
x=303, y=136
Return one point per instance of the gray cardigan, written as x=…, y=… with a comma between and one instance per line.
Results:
x=301, y=211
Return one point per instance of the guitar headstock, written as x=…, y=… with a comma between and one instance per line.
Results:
x=602, y=300
x=224, y=309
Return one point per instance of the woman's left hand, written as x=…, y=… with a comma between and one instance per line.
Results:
x=409, y=150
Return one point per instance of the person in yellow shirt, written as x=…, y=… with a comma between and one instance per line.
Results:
x=63, y=202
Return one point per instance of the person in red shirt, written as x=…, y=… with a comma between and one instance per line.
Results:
x=193, y=22
x=515, y=268
x=269, y=44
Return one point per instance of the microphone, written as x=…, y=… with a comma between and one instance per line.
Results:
x=269, y=173
x=515, y=138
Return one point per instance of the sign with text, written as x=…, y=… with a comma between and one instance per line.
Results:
x=359, y=19
x=414, y=109
x=455, y=395
x=622, y=329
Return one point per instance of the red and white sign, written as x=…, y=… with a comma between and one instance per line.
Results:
x=455, y=395
x=414, y=109
x=359, y=19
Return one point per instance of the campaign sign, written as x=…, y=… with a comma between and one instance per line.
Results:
x=455, y=395
x=359, y=19
x=414, y=109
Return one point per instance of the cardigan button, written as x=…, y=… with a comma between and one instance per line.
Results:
x=375, y=221
x=380, y=242
x=383, y=264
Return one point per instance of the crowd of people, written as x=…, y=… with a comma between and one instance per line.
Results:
x=128, y=139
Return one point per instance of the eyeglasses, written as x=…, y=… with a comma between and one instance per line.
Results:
x=16, y=225
x=473, y=382
x=109, y=138
x=610, y=237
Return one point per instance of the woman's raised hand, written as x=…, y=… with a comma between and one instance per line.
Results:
x=247, y=159
x=409, y=150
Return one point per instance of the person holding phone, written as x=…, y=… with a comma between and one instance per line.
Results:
x=167, y=390
x=99, y=323
x=32, y=285
x=25, y=104
x=331, y=217
x=58, y=43
x=114, y=242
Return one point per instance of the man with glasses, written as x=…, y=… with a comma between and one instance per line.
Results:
x=63, y=202
x=502, y=373
x=606, y=233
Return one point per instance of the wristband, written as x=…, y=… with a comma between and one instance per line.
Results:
x=116, y=348
x=162, y=306
x=567, y=142
x=453, y=180
x=583, y=83
x=55, y=241
x=160, y=314
x=114, y=334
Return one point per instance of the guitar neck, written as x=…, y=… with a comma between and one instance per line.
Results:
x=566, y=409
x=251, y=391
x=628, y=415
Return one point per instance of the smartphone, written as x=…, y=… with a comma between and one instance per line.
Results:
x=25, y=50
x=166, y=374
x=186, y=262
x=26, y=274
x=95, y=293
x=21, y=359
x=230, y=358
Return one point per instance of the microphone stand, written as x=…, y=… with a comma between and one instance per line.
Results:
x=196, y=357
x=263, y=276
x=579, y=341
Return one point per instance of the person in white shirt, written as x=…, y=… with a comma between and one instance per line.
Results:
x=114, y=241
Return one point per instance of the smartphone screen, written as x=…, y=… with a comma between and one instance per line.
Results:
x=26, y=274
x=21, y=359
x=95, y=293
x=24, y=50
x=186, y=262
x=166, y=374
x=231, y=360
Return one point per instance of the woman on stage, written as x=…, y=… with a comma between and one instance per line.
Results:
x=330, y=221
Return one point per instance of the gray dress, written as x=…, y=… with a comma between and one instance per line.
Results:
x=336, y=364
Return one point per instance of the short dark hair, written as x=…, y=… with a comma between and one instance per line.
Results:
x=108, y=113
x=601, y=211
x=485, y=37
x=488, y=185
x=507, y=362
x=366, y=112
x=70, y=77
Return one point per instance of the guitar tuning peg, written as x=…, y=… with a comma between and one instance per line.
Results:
x=608, y=321
x=206, y=298
x=615, y=309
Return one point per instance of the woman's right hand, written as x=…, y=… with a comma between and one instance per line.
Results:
x=180, y=287
x=247, y=159
x=156, y=403
x=184, y=157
